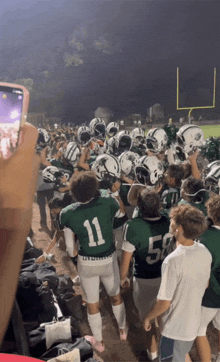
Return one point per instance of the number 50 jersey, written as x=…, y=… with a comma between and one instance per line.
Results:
x=151, y=242
x=93, y=224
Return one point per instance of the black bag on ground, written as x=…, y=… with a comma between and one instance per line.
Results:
x=47, y=275
x=71, y=304
x=82, y=344
x=37, y=340
x=48, y=310
x=65, y=285
x=35, y=300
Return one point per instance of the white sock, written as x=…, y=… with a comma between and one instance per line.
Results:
x=152, y=355
x=95, y=322
x=119, y=312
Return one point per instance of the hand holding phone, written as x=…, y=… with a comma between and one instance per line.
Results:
x=14, y=101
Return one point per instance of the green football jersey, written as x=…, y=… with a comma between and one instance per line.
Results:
x=93, y=225
x=123, y=192
x=211, y=239
x=169, y=196
x=61, y=165
x=152, y=242
x=198, y=205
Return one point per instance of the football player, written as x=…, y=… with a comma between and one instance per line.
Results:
x=193, y=192
x=147, y=239
x=91, y=219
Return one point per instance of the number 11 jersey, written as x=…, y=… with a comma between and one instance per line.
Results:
x=93, y=224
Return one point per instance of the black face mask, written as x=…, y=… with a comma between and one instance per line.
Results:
x=143, y=175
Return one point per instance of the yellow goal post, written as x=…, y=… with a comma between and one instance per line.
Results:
x=191, y=108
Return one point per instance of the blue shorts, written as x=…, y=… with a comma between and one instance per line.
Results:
x=172, y=350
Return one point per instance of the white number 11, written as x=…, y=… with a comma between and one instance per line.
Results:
x=100, y=240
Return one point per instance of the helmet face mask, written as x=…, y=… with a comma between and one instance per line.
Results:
x=190, y=137
x=149, y=170
x=72, y=153
x=124, y=144
x=43, y=138
x=123, y=141
x=128, y=161
x=100, y=131
x=143, y=175
x=151, y=143
x=97, y=128
x=106, y=167
x=51, y=174
x=83, y=135
x=212, y=180
x=161, y=137
x=112, y=129
x=137, y=136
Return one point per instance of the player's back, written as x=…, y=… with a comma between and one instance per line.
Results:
x=92, y=223
x=152, y=242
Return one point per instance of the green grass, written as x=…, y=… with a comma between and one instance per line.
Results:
x=211, y=130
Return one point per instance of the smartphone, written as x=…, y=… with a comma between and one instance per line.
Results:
x=14, y=101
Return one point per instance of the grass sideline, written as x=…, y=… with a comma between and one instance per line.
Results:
x=209, y=130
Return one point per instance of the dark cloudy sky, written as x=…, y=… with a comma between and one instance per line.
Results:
x=119, y=54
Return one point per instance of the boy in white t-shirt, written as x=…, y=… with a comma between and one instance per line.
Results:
x=185, y=276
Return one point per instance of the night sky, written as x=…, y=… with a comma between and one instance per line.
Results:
x=80, y=55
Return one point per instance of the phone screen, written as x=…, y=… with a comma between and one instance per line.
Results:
x=11, y=103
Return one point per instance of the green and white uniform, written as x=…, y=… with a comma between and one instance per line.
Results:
x=92, y=222
x=198, y=205
x=150, y=241
x=169, y=197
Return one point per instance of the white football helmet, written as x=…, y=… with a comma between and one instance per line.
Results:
x=97, y=128
x=51, y=174
x=83, y=135
x=128, y=161
x=106, y=166
x=112, y=129
x=137, y=135
x=149, y=170
x=212, y=180
x=112, y=146
x=44, y=136
x=151, y=143
x=160, y=136
x=72, y=153
x=123, y=141
x=189, y=137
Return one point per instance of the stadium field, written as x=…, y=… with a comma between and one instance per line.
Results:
x=211, y=130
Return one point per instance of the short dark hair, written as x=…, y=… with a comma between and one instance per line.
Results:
x=84, y=186
x=149, y=203
x=192, y=186
x=176, y=172
x=191, y=219
x=55, y=203
x=213, y=208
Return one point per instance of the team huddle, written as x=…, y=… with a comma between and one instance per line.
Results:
x=140, y=208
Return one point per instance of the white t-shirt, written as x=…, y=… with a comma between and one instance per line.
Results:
x=185, y=275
